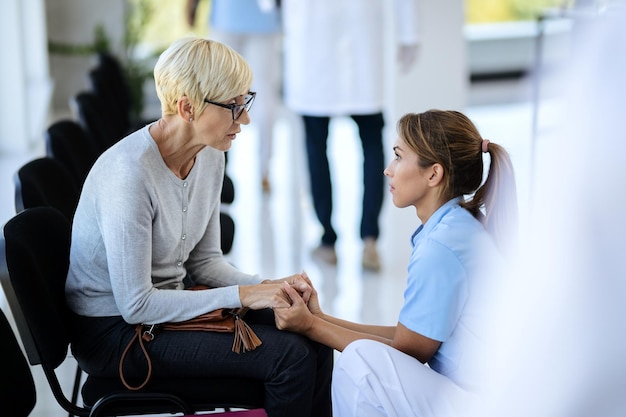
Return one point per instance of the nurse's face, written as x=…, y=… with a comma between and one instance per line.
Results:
x=408, y=182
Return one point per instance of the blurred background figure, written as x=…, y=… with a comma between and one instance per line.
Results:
x=334, y=66
x=253, y=28
x=560, y=348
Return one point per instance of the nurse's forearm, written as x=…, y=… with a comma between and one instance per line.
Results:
x=337, y=336
x=387, y=332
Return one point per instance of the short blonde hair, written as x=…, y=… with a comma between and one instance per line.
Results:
x=199, y=68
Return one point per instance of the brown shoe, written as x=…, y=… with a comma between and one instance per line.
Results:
x=326, y=253
x=265, y=185
x=370, y=259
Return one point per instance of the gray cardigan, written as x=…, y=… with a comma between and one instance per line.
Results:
x=139, y=230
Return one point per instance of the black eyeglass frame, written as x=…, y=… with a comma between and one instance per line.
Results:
x=236, y=109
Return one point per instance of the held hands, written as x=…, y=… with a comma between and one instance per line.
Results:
x=260, y=296
x=300, y=315
x=271, y=294
x=312, y=302
x=297, y=317
x=302, y=284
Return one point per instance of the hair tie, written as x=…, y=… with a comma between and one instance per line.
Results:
x=484, y=145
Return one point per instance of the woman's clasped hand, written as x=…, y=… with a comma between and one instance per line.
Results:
x=299, y=314
x=272, y=293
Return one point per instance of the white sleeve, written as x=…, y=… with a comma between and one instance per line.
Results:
x=406, y=21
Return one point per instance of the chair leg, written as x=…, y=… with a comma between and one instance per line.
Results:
x=76, y=389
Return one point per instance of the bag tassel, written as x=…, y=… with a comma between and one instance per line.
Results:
x=245, y=339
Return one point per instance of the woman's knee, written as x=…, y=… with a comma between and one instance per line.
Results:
x=359, y=358
x=292, y=352
x=364, y=348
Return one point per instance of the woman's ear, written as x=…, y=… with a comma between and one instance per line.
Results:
x=436, y=175
x=185, y=109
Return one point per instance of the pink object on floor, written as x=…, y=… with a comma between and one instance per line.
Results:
x=257, y=412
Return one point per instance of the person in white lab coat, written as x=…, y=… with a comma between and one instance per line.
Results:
x=334, y=62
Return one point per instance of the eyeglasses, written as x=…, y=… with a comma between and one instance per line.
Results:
x=237, y=109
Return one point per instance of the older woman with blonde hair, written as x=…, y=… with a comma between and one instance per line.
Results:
x=147, y=226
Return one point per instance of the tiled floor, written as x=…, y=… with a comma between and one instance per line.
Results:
x=276, y=232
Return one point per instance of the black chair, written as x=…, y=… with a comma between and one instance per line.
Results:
x=227, y=226
x=17, y=387
x=45, y=182
x=34, y=259
x=102, y=124
x=228, y=190
x=105, y=89
x=226, y=221
x=67, y=142
x=110, y=79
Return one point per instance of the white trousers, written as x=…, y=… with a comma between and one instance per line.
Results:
x=372, y=379
x=262, y=52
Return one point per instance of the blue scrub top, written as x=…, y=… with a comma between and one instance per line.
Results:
x=444, y=250
x=243, y=16
x=455, y=268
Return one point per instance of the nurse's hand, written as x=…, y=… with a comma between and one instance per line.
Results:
x=295, y=318
x=313, y=303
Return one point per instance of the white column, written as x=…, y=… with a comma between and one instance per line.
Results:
x=24, y=79
x=439, y=78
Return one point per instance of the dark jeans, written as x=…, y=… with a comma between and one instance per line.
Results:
x=297, y=372
x=371, y=134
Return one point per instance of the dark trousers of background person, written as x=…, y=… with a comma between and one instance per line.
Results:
x=296, y=371
x=371, y=133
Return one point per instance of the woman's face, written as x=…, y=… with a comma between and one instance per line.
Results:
x=215, y=126
x=408, y=182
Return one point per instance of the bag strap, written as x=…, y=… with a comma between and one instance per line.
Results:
x=140, y=336
x=245, y=340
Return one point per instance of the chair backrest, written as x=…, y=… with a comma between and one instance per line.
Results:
x=116, y=79
x=103, y=126
x=34, y=255
x=17, y=387
x=116, y=84
x=67, y=142
x=45, y=182
x=227, y=230
x=106, y=86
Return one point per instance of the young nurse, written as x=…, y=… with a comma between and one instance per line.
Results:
x=427, y=365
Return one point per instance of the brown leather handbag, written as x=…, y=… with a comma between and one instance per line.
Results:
x=225, y=320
